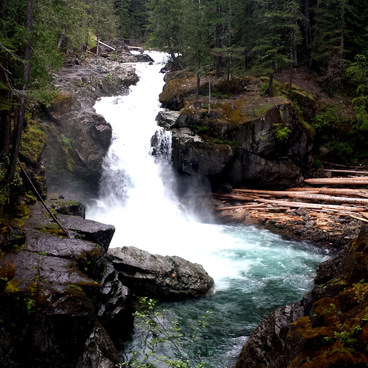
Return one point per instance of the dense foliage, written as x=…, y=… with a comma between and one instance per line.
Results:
x=229, y=36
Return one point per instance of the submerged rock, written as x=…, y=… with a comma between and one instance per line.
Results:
x=158, y=276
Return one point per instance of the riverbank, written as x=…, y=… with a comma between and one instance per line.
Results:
x=332, y=230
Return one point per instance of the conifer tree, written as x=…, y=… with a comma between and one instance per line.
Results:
x=277, y=34
x=328, y=51
x=164, y=18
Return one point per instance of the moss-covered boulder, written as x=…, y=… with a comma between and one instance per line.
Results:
x=249, y=139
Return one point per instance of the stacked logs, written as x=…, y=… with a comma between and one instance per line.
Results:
x=332, y=197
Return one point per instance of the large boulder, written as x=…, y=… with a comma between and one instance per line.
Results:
x=158, y=276
x=51, y=293
x=248, y=140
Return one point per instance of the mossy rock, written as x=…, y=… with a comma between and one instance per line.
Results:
x=33, y=143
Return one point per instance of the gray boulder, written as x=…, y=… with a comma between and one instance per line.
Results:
x=158, y=276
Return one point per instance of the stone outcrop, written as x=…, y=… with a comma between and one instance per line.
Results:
x=158, y=276
x=246, y=139
x=49, y=300
x=328, y=328
x=77, y=137
x=65, y=302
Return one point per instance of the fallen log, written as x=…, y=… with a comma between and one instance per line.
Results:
x=363, y=180
x=312, y=195
x=251, y=206
x=328, y=198
x=233, y=197
x=359, y=218
x=275, y=193
x=311, y=205
x=333, y=191
x=347, y=171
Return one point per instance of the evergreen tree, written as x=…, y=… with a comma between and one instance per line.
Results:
x=164, y=18
x=278, y=34
x=196, y=37
x=329, y=40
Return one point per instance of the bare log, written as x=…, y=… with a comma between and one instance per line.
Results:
x=312, y=205
x=250, y=206
x=359, y=218
x=328, y=198
x=333, y=191
x=354, y=172
x=363, y=180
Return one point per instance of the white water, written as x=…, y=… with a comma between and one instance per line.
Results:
x=255, y=271
x=135, y=193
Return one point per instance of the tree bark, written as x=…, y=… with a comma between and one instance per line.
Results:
x=270, y=86
x=23, y=100
x=218, y=45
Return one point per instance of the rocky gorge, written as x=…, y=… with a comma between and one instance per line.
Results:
x=73, y=292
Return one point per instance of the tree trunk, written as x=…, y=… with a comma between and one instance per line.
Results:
x=23, y=101
x=218, y=45
x=5, y=131
x=270, y=86
x=291, y=83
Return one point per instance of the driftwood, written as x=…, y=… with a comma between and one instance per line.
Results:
x=250, y=206
x=358, y=218
x=354, y=172
x=363, y=180
x=311, y=205
x=333, y=191
x=313, y=195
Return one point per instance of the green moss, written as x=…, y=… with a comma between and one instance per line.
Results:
x=33, y=142
x=12, y=287
x=53, y=229
x=67, y=149
x=225, y=141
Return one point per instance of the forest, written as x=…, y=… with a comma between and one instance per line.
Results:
x=226, y=37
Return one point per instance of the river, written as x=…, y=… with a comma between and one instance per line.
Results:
x=254, y=270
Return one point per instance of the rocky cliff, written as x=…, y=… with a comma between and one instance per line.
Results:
x=77, y=137
x=328, y=328
x=235, y=134
x=66, y=302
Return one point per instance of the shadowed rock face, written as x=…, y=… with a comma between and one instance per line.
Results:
x=65, y=302
x=328, y=328
x=49, y=302
x=77, y=137
x=243, y=138
x=158, y=276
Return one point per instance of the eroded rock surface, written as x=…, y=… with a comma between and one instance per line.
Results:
x=77, y=137
x=158, y=276
x=238, y=136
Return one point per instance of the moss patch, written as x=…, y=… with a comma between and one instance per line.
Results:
x=33, y=142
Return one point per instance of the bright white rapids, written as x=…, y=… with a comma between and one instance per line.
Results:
x=136, y=195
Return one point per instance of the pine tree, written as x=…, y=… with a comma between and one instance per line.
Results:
x=164, y=18
x=278, y=35
x=329, y=40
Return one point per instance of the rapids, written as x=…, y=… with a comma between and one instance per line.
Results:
x=255, y=271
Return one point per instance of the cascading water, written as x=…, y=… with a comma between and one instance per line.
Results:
x=255, y=271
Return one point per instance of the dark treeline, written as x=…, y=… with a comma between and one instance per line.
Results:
x=228, y=36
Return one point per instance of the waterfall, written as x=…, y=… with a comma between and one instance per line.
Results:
x=254, y=270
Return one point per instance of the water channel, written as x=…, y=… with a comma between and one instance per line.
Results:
x=254, y=270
